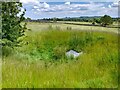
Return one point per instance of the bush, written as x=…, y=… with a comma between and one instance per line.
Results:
x=75, y=41
x=59, y=52
x=69, y=28
x=50, y=27
x=93, y=23
x=7, y=51
x=58, y=28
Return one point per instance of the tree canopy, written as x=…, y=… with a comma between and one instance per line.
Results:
x=106, y=20
x=12, y=30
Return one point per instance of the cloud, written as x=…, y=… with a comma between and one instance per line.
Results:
x=114, y=5
x=67, y=3
x=68, y=9
x=116, y=1
x=30, y=1
x=41, y=5
x=103, y=7
x=45, y=5
x=44, y=9
x=109, y=6
x=60, y=8
x=35, y=7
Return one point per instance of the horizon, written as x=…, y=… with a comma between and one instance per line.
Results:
x=68, y=17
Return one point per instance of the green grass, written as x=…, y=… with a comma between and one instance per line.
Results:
x=41, y=61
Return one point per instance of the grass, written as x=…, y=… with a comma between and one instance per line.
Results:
x=34, y=26
x=41, y=61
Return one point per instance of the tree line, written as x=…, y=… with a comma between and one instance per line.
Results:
x=102, y=20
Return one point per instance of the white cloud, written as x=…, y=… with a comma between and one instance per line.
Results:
x=114, y=4
x=109, y=6
x=116, y=1
x=38, y=9
x=30, y=1
x=46, y=5
x=35, y=7
x=103, y=7
x=72, y=9
x=42, y=6
x=67, y=3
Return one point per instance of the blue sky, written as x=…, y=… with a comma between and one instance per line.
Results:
x=36, y=9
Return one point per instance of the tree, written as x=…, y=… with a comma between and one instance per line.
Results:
x=12, y=29
x=54, y=19
x=93, y=23
x=97, y=20
x=106, y=20
x=28, y=19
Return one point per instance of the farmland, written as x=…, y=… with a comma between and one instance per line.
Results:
x=61, y=25
x=40, y=60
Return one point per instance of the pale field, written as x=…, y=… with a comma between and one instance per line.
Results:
x=44, y=26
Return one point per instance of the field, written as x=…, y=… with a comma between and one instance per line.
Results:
x=40, y=61
x=61, y=25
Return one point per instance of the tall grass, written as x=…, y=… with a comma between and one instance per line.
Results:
x=41, y=60
x=53, y=44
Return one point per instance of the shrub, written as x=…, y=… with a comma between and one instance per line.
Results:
x=7, y=51
x=50, y=27
x=59, y=52
x=58, y=28
x=69, y=28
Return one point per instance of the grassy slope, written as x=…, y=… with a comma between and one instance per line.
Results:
x=97, y=67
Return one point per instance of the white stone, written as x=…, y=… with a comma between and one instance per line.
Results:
x=73, y=53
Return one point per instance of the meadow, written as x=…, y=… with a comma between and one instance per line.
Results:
x=40, y=61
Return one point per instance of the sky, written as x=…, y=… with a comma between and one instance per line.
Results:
x=37, y=9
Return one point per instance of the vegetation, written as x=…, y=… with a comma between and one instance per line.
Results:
x=63, y=25
x=106, y=20
x=95, y=19
x=41, y=62
x=12, y=29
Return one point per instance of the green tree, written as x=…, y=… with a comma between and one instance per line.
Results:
x=54, y=19
x=12, y=30
x=97, y=20
x=28, y=19
x=106, y=20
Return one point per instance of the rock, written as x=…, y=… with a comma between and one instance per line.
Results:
x=73, y=53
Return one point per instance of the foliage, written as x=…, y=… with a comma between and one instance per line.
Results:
x=93, y=23
x=106, y=20
x=96, y=68
x=97, y=21
x=53, y=44
x=54, y=19
x=40, y=63
x=12, y=29
x=28, y=19
x=69, y=28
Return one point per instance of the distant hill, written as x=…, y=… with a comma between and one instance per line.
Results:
x=81, y=19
